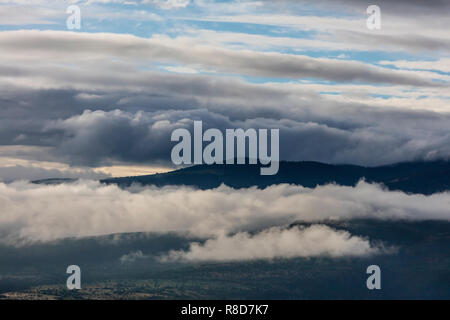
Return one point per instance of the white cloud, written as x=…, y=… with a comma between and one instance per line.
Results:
x=316, y=240
x=180, y=69
x=170, y=4
x=14, y=15
x=87, y=208
x=132, y=257
x=164, y=4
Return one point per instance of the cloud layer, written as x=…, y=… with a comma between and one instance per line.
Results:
x=86, y=208
x=95, y=137
x=139, y=89
x=167, y=50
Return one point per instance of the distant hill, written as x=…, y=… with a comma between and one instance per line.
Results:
x=413, y=177
x=54, y=181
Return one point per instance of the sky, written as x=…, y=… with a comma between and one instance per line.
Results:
x=103, y=100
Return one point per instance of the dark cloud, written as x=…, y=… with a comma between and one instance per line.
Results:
x=45, y=98
x=413, y=42
x=133, y=123
x=93, y=138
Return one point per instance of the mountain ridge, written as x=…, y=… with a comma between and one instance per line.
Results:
x=411, y=177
